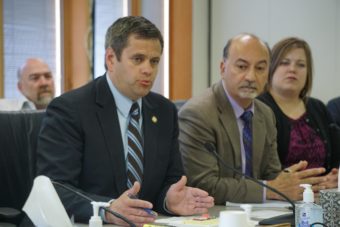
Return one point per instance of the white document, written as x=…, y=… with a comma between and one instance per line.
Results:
x=188, y=221
x=266, y=205
x=268, y=209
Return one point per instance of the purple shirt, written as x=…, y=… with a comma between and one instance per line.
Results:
x=305, y=144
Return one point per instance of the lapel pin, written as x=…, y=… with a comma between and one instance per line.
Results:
x=154, y=119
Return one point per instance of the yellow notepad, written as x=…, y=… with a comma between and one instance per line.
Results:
x=208, y=222
x=155, y=225
x=192, y=221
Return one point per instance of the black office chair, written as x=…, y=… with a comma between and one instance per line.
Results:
x=18, y=143
x=179, y=103
x=333, y=107
x=335, y=139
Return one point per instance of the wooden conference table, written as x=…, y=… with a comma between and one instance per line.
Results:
x=214, y=211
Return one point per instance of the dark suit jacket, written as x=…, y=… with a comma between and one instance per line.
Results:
x=210, y=118
x=80, y=145
x=334, y=108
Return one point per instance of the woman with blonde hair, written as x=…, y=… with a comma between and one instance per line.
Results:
x=303, y=123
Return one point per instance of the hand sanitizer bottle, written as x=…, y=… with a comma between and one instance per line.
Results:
x=95, y=220
x=308, y=212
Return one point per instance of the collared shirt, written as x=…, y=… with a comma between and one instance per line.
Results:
x=124, y=104
x=16, y=104
x=238, y=110
x=28, y=105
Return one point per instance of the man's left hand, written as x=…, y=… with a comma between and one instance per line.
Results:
x=183, y=200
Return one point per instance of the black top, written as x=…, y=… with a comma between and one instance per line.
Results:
x=317, y=117
x=334, y=108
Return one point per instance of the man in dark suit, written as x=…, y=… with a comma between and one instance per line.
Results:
x=85, y=141
x=334, y=108
x=216, y=117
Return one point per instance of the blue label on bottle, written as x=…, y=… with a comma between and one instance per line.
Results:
x=304, y=220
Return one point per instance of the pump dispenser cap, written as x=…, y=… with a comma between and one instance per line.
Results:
x=308, y=194
x=97, y=205
x=95, y=220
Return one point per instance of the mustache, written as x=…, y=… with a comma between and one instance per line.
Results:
x=45, y=89
x=248, y=84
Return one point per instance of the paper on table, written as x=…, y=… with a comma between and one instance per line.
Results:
x=266, y=205
x=188, y=222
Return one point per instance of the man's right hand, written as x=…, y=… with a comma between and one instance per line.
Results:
x=130, y=208
x=288, y=182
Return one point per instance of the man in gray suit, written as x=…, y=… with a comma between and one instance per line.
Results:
x=216, y=117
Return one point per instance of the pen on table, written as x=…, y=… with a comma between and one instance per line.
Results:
x=147, y=210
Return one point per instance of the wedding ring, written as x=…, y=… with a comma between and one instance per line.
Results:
x=287, y=170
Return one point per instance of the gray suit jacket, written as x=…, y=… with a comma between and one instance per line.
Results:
x=210, y=118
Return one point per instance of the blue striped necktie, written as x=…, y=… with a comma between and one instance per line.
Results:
x=246, y=117
x=135, y=148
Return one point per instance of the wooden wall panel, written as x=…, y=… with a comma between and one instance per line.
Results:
x=180, y=49
x=135, y=7
x=76, y=59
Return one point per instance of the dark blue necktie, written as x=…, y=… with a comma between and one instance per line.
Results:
x=247, y=140
x=135, y=148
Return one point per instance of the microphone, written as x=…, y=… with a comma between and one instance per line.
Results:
x=131, y=224
x=285, y=218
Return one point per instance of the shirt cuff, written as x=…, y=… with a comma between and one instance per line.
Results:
x=264, y=192
x=102, y=212
x=165, y=207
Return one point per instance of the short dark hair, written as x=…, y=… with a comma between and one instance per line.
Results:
x=118, y=33
x=280, y=50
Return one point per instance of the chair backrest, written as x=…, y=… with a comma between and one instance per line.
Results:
x=18, y=143
x=335, y=139
x=179, y=103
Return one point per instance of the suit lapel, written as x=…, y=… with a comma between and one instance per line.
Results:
x=150, y=132
x=258, y=139
x=228, y=120
x=108, y=120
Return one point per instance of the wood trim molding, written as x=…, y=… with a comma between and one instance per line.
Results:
x=135, y=7
x=180, y=49
x=76, y=49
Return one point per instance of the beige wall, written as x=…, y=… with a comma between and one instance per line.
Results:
x=1, y=53
x=200, y=57
x=318, y=22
